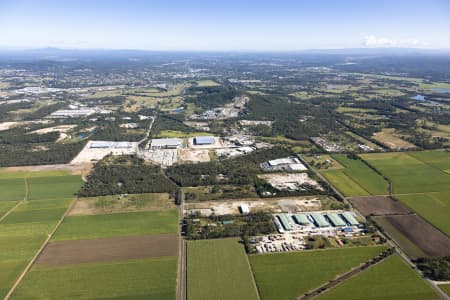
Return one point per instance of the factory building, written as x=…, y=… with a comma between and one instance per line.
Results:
x=204, y=140
x=320, y=220
x=301, y=219
x=110, y=145
x=350, y=219
x=171, y=143
x=284, y=220
x=335, y=220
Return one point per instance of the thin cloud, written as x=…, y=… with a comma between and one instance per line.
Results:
x=381, y=42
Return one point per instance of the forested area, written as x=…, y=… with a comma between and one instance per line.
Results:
x=210, y=97
x=239, y=170
x=169, y=122
x=21, y=136
x=125, y=175
x=41, y=154
x=287, y=114
x=435, y=268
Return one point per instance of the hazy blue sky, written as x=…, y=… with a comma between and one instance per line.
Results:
x=224, y=24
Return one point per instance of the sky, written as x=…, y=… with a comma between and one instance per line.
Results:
x=224, y=25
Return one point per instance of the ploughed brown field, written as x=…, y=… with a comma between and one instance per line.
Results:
x=429, y=239
x=379, y=206
x=109, y=249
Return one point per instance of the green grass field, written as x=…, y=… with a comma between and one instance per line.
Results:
x=53, y=187
x=434, y=207
x=437, y=159
x=344, y=184
x=355, y=178
x=26, y=228
x=409, y=174
x=445, y=288
x=12, y=189
x=286, y=276
x=5, y=206
x=153, y=278
x=19, y=242
x=392, y=279
x=218, y=269
x=117, y=224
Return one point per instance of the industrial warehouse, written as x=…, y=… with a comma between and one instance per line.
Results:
x=295, y=228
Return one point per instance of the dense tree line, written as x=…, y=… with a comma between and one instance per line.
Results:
x=210, y=97
x=169, y=122
x=125, y=175
x=20, y=136
x=437, y=268
x=38, y=154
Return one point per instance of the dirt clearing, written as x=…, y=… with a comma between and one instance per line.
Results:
x=110, y=249
x=194, y=155
x=379, y=206
x=227, y=207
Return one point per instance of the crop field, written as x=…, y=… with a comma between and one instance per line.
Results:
x=378, y=205
x=218, y=269
x=359, y=172
x=24, y=230
x=286, y=276
x=151, y=278
x=437, y=159
x=42, y=212
x=117, y=224
x=53, y=187
x=12, y=189
x=344, y=183
x=5, y=206
x=22, y=233
x=415, y=236
x=391, y=279
x=407, y=246
x=408, y=174
x=434, y=207
x=109, y=249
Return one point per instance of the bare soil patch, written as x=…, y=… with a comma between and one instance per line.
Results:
x=432, y=241
x=279, y=205
x=387, y=137
x=194, y=155
x=109, y=249
x=379, y=206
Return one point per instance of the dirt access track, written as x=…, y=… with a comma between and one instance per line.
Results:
x=379, y=206
x=432, y=241
x=108, y=249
